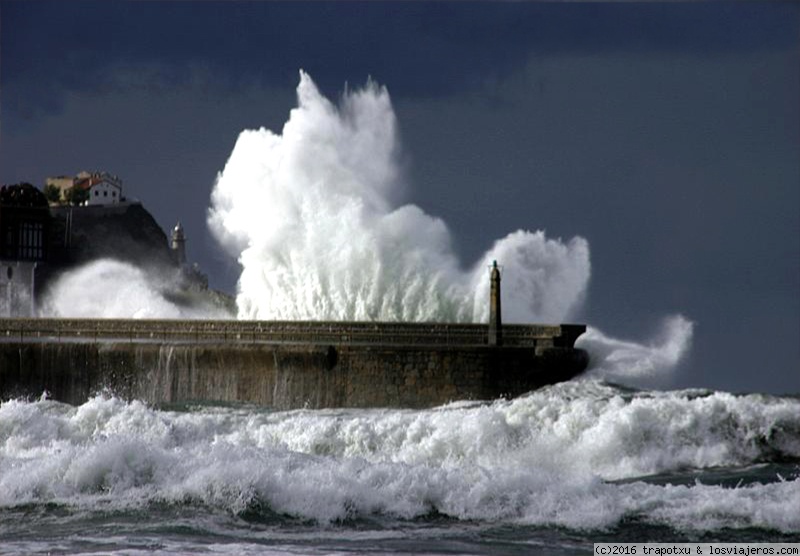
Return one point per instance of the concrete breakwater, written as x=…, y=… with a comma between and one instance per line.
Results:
x=282, y=365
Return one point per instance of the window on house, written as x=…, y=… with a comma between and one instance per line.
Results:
x=105, y=193
x=96, y=193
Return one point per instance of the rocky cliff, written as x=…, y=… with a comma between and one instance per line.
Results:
x=126, y=232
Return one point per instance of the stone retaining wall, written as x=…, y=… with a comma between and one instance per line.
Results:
x=280, y=376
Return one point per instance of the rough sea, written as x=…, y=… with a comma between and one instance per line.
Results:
x=550, y=472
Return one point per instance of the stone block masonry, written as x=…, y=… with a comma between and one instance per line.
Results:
x=281, y=365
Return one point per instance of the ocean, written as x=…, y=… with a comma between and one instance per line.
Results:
x=550, y=472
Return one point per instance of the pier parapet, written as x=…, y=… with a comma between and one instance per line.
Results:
x=314, y=332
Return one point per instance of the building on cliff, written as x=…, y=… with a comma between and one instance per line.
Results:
x=95, y=188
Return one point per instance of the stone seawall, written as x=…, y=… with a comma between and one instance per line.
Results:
x=280, y=365
x=282, y=377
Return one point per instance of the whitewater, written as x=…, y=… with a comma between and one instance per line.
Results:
x=318, y=219
x=562, y=466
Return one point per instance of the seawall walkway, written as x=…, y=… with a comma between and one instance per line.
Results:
x=28, y=330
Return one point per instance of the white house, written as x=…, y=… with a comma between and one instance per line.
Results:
x=103, y=188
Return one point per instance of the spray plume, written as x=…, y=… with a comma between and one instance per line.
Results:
x=635, y=364
x=309, y=215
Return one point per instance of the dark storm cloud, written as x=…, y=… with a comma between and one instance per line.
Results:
x=422, y=49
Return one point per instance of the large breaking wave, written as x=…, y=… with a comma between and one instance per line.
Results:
x=575, y=454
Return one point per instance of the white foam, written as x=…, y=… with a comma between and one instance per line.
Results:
x=541, y=459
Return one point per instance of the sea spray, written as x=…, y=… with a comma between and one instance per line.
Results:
x=311, y=216
x=638, y=364
x=108, y=288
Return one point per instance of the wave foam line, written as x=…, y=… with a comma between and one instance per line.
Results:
x=543, y=459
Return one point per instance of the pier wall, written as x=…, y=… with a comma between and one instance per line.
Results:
x=346, y=365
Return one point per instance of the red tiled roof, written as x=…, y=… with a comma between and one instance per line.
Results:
x=87, y=183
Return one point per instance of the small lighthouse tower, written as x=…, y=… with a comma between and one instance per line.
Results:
x=495, y=319
x=178, y=245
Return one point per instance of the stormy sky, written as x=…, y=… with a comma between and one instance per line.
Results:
x=667, y=135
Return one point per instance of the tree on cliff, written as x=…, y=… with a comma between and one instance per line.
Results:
x=22, y=195
x=53, y=193
x=76, y=195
